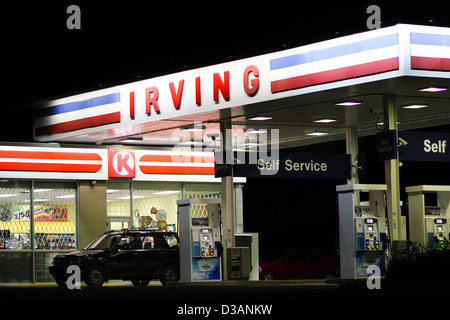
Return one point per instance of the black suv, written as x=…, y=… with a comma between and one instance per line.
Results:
x=136, y=255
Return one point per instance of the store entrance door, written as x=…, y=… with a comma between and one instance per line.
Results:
x=118, y=223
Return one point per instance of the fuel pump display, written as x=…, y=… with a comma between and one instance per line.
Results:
x=203, y=244
x=368, y=235
x=441, y=233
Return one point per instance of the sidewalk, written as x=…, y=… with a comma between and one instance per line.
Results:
x=112, y=283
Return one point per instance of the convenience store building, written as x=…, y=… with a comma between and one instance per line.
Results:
x=104, y=159
x=74, y=196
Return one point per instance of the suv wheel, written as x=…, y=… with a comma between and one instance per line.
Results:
x=95, y=276
x=140, y=282
x=169, y=273
x=61, y=282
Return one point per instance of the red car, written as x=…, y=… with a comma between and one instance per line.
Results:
x=297, y=264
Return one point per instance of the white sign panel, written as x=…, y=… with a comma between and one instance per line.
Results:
x=355, y=59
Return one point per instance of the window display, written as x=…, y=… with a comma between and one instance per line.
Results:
x=54, y=215
x=153, y=204
x=15, y=226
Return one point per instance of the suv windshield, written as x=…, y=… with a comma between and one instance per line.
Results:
x=103, y=242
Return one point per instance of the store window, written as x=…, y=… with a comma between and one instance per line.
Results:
x=54, y=221
x=118, y=195
x=155, y=204
x=201, y=191
x=15, y=225
x=54, y=215
x=37, y=219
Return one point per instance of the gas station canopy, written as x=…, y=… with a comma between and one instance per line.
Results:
x=305, y=92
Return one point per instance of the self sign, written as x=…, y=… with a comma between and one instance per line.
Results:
x=424, y=146
x=438, y=146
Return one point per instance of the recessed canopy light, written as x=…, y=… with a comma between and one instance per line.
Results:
x=249, y=144
x=191, y=143
x=433, y=89
x=261, y=118
x=257, y=131
x=382, y=123
x=348, y=103
x=325, y=120
x=415, y=106
x=317, y=133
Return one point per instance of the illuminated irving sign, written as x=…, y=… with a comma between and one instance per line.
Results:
x=381, y=54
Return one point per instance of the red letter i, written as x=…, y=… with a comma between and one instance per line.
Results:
x=132, y=104
x=198, y=97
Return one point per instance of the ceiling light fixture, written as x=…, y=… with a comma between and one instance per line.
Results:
x=317, y=133
x=433, y=89
x=415, y=106
x=382, y=123
x=256, y=131
x=260, y=118
x=249, y=144
x=191, y=143
x=348, y=103
x=325, y=120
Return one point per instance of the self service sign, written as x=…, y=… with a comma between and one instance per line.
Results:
x=295, y=165
x=424, y=146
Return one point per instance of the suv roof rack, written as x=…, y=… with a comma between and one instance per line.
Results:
x=155, y=229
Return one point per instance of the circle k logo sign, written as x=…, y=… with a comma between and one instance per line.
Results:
x=121, y=163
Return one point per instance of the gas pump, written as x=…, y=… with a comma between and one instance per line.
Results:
x=362, y=229
x=429, y=216
x=200, y=247
x=440, y=233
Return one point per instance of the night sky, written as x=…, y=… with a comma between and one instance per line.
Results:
x=121, y=42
